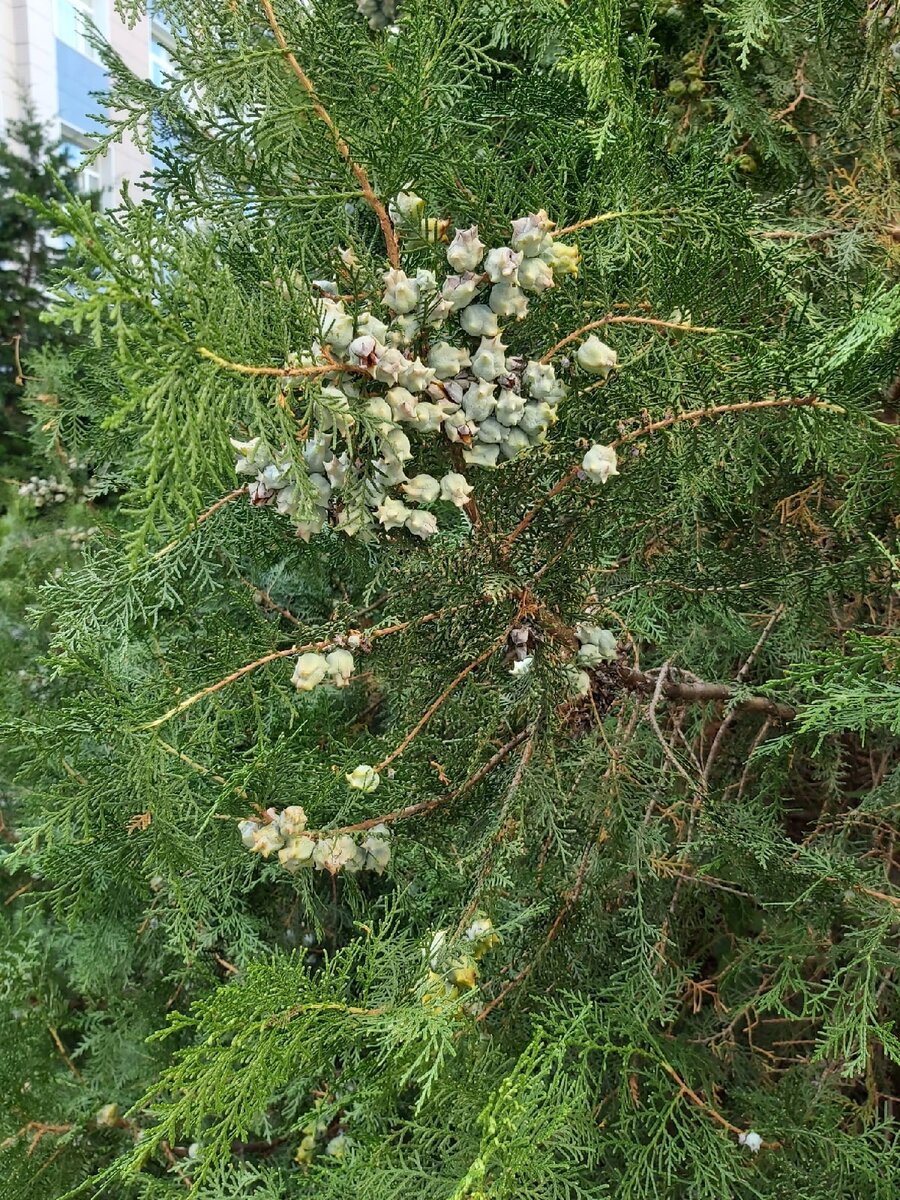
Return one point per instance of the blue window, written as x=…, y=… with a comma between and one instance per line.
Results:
x=71, y=17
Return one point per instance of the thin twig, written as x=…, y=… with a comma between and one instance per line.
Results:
x=312, y=371
x=445, y=695
x=681, y=326
x=654, y=724
x=742, y=674
x=763, y=638
x=15, y=342
x=426, y=806
x=894, y=901
x=267, y=601
x=614, y=216
x=204, y=516
x=370, y=635
x=707, y=1108
x=570, y=476
x=41, y=1130
x=62, y=1052
x=488, y=855
x=26, y=887
x=471, y=505
x=172, y=1160
x=569, y=903
x=232, y=678
x=696, y=414
x=745, y=774
x=200, y=767
x=359, y=172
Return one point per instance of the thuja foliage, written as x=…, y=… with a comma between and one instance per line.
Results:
x=806, y=96
x=422, y=809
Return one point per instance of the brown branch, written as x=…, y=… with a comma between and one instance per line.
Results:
x=62, y=1052
x=570, y=901
x=40, y=1131
x=204, y=516
x=699, y=413
x=313, y=371
x=658, y=691
x=815, y=235
x=359, y=172
x=426, y=806
x=235, y=675
x=695, y=1099
x=695, y=414
x=701, y=1103
x=570, y=476
x=528, y=736
x=609, y=319
x=76, y=775
x=703, y=693
x=172, y=1159
x=267, y=601
x=369, y=635
x=741, y=676
x=364, y=612
x=445, y=695
x=757, y=741
x=15, y=342
x=26, y=887
x=794, y=104
x=894, y=901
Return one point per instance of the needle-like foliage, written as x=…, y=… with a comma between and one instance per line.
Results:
x=530, y=836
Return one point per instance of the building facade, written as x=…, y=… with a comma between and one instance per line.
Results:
x=46, y=60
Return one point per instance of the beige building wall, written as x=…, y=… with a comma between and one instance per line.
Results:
x=29, y=70
x=129, y=162
x=28, y=52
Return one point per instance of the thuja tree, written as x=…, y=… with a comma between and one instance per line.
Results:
x=473, y=768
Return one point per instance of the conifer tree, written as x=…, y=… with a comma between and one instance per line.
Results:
x=471, y=770
x=32, y=169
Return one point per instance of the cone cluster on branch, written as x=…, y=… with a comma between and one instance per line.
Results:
x=434, y=366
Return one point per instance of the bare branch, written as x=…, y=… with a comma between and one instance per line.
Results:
x=359, y=172
x=610, y=319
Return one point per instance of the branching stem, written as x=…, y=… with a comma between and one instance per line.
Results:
x=309, y=372
x=444, y=696
x=615, y=216
x=701, y=1103
x=703, y=693
x=370, y=635
x=426, y=806
x=696, y=414
x=359, y=172
x=204, y=516
x=611, y=319
x=569, y=903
